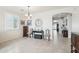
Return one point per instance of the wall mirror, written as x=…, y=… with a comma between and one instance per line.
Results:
x=38, y=22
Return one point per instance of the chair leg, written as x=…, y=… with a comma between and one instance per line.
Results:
x=75, y=51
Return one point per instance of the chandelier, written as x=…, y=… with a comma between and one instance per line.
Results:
x=28, y=15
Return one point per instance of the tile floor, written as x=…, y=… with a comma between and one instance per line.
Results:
x=30, y=45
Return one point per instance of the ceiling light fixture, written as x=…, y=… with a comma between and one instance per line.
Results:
x=28, y=15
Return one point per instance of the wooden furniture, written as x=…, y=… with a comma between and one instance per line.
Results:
x=75, y=42
x=65, y=33
x=38, y=34
x=25, y=31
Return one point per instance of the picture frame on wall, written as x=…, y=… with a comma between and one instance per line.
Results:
x=66, y=22
x=22, y=22
x=29, y=22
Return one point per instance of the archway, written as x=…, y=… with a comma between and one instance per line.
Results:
x=62, y=19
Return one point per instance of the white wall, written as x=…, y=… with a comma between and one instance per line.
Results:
x=46, y=17
x=10, y=34
x=75, y=20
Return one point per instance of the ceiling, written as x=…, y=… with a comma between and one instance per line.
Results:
x=33, y=9
x=61, y=16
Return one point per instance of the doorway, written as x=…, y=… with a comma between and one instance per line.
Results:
x=59, y=20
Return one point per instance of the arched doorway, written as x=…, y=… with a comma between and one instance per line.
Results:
x=59, y=20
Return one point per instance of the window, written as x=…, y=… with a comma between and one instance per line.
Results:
x=12, y=22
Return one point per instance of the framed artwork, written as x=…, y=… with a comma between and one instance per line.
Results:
x=66, y=22
x=22, y=22
x=29, y=22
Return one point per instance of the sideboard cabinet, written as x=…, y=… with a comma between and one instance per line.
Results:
x=75, y=42
x=25, y=31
